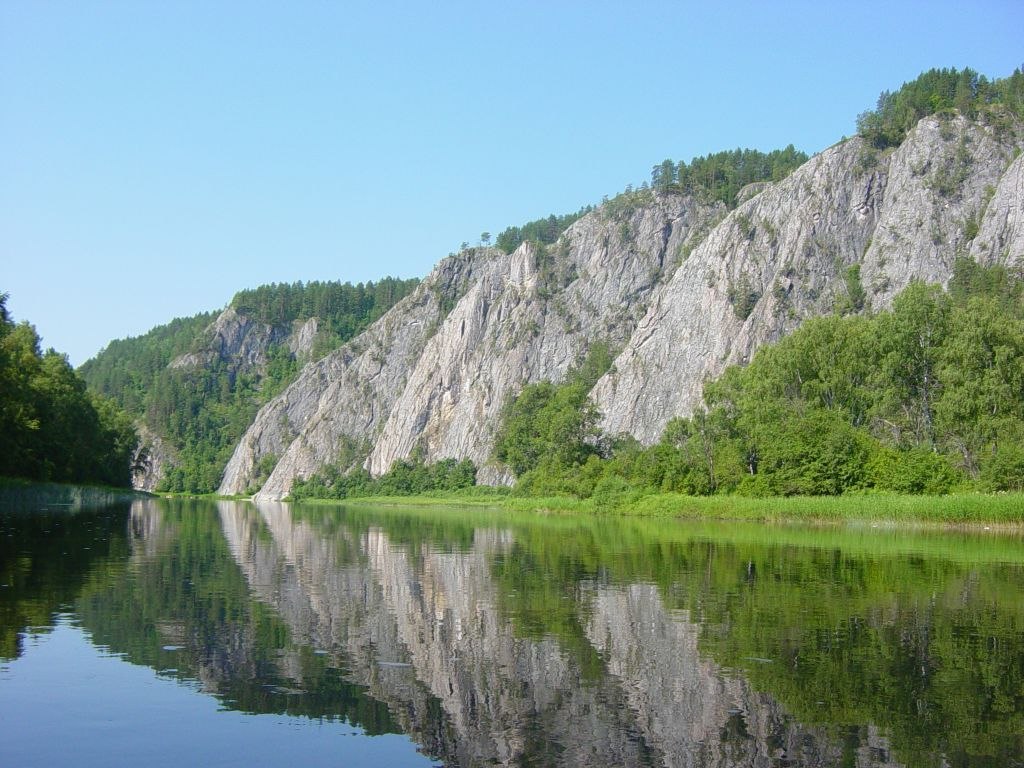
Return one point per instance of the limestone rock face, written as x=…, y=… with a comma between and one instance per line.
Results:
x=786, y=255
x=682, y=288
x=1001, y=235
x=235, y=338
x=150, y=460
x=531, y=316
x=340, y=401
x=242, y=342
x=433, y=374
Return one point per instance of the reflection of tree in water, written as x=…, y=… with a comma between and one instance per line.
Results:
x=925, y=645
x=45, y=557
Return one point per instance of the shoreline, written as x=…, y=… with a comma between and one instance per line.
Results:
x=973, y=511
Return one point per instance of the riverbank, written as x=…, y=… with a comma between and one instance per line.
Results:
x=1001, y=509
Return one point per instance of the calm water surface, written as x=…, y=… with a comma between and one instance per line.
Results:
x=174, y=633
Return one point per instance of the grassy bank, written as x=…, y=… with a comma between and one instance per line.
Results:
x=1004, y=509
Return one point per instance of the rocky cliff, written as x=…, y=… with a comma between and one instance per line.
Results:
x=338, y=404
x=434, y=372
x=235, y=344
x=683, y=288
x=242, y=343
x=150, y=460
x=785, y=255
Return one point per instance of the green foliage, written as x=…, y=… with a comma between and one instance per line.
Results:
x=344, y=309
x=856, y=296
x=125, y=370
x=743, y=296
x=721, y=175
x=552, y=429
x=202, y=412
x=405, y=478
x=935, y=91
x=51, y=428
x=543, y=231
x=915, y=470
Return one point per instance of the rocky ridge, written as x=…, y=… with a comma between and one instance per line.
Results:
x=901, y=217
x=434, y=373
x=683, y=288
x=337, y=403
x=150, y=460
x=242, y=342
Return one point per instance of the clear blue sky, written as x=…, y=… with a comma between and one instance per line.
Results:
x=156, y=157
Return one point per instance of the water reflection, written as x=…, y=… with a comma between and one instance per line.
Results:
x=565, y=641
x=537, y=657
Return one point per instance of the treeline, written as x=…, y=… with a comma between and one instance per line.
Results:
x=345, y=309
x=51, y=427
x=926, y=398
x=935, y=91
x=714, y=177
x=544, y=231
x=721, y=175
x=202, y=412
x=405, y=478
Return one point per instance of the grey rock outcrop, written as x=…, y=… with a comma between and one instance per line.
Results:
x=242, y=342
x=423, y=379
x=532, y=316
x=238, y=343
x=1000, y=238
x=150, y=460
x=339, y=402
x=784, y=256
x=683, y=289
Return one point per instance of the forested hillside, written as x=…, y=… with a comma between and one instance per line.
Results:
x=197, y=397
x=51, y=428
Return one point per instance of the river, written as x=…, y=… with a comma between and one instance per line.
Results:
x=167, y=632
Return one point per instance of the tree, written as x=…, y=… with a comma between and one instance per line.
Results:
x=663, y=176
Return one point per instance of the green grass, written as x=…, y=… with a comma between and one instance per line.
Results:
x=1003, y=509
x=477, y=496
x=889, y=508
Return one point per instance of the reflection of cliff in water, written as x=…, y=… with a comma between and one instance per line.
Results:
x=428, y=629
